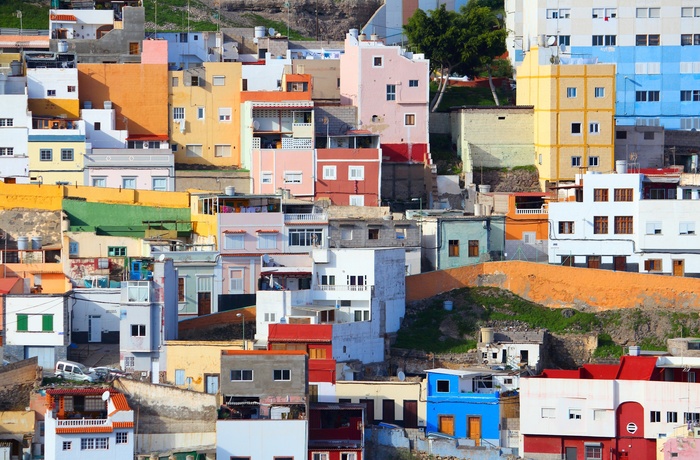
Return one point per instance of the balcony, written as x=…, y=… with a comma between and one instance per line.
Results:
x=83, y=422
x=315, y=217
x=542, y=210
x=341, y=287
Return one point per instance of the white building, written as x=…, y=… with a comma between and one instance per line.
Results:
x=262, y=439
x=644, y=222
x=95, y=315
x=80, y=24
x=36, y=325
x=88, y=423
x=100, y=128
x=266, y=77
x=361, y=292
x=15, y=122
x=512, y=349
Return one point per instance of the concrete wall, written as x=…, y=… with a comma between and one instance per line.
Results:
x=197, y=358
x=262, y=439
x=102, y=303
x=17, y=381
x=263, y=366
x=558, y=286
x=379, y=391
x=212, y=180
x=170, y=418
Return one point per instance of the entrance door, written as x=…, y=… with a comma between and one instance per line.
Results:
x=155, y=371
x=293, y=284
x=570, y=453
x=369, y=411
x=203, y=303
x=94, y=329
x=474, y=427
x=620, y=263
x=45, y=355
x=524, y=356
x=593, y=261
x=388, y=414
x=446, y=424
x=410, y=414
x=212, y=384
x=678, y=268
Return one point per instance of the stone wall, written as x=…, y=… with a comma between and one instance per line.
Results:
x=440, y=123
x=17, y=380
x=31, y=222
x=211, y=180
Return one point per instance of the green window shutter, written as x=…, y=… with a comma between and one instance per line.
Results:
x=47, y=323
x=22, y=323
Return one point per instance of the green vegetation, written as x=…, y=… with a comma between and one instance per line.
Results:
x=607, y=348
x=528, y=168
x=34, y=14
x=280, y=27
x=456, y=96
x=175, y=12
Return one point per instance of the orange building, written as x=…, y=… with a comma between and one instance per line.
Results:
x=295, y=87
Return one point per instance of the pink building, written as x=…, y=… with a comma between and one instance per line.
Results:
x=390, y=88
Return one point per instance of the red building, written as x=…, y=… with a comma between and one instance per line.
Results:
x=336, y=432
x=315, y=339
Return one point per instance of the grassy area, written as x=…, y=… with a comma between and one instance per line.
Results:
x=280, y=27
x=34, y=14
x=460, y=95
x=607, y=348
x=175, y=13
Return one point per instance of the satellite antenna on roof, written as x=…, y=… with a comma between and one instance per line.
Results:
x=265, y=260
x=271, y=31
x=401, y=376
x=105, y=396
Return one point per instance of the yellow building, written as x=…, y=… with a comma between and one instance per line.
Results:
x=574, y=107
x=56, y=159
x=195, y=365
x=205, y=114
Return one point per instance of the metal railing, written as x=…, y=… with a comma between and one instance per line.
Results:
x=317, y=217
x=82, y=422
x=341, y=287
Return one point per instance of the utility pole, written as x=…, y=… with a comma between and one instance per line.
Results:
x=316, y=20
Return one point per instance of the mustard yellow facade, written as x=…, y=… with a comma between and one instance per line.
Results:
x=190, y=362
x=574, y=124
x=57, y=159
x=205, y=114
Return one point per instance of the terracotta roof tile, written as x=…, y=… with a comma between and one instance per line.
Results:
x=84, y=429
x=120, y=403
x=123, y=424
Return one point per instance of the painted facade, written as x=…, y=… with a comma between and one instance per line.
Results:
x=401, y=403
x=51, y=87
x=57, y=158
x=198, y=293
x=16, y=122
x=336, y=432
x=196, y=365
x=389, y=87
x=95, y=315
x=349, y=176
x=290, y=439
x=100, y=129
x=139, y=169
x=205, y=114
x=574, y=125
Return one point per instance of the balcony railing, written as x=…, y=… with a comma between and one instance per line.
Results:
x=541, y=210
x=341, y=287
x=82, y=422
x=317, y=217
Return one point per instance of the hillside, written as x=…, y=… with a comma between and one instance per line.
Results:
x=430, y=328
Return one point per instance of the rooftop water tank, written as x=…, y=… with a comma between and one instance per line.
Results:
x=62, y=46
x=621, y=166
x=16, y=68
x=486, y=335
x=22, y=243
x=36, y=242
x=259, y=31
x=230, y=190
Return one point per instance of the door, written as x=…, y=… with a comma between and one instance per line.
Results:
x=5, y=452
x=212, y=384
x=446, y=424
x=45, y=355
x=155, y=371
x=292, y=284
x=593, y=261
x=474, y=427
x=388, y=415
x=410, y=414
x=570, y=453
x=369, y=411
x=203, y=303
x=620, y=263
x=524, y=356
x=678, y=268
x=94, y=329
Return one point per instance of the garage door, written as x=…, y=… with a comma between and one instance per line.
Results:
x=46, y=356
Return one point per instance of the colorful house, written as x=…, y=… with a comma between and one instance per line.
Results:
x=15, y=123
x=394, y=402
x=336, y=432
x=350, y=176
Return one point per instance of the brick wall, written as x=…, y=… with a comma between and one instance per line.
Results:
x=17, y=380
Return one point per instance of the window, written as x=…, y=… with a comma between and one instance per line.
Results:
x=686, y=39
x=409, y=119
x=621, y=135
x=647, y=96
x=327, y=280
x=319, y=456
x=179, y=376
x=654, y=12
x=548, y=412
x=4, y=122
x=46, y=323
x=686, y=228
x=174, y=81
x=292, y=177
x=378, y=61
x=649, y=136
x=50, y=92
x=390, y=92
x=194, y=80
x=87, y=443
x=671, y=417
x=7, y=151
x=116, y=251
x=610, y=40
x=160, y=184
x=693, y=95
x=244, y=84
x=593, y=452
x=594, y=128
x=281, y=375
x=122, y=437
x=373, y=234
x=574, y=414
x=222, y=151
x=623, y=194
x=138, y=330
x=453, y=248
x=600, y=194
x=400, y=233
x=45, y=155
x=218, y=80
x=597, y=40
x=306, y=237
x=624, y=225
x=235, y=282
x=266, y=177
x=181, y=297
x=329, y=172
x=575, y=162
x=267, y=241
x=178, y=113
x=346, y=233
x=600, y=225
x=412, y=83
x=269, y=317
x=200, y=113
x=593, y=161
x=473, y=248
x=641, y=40
x=564, y=40
x=347, y=456
x=243, y=375
x=691, y=417
x=67, y=445
x=571, y=92
x=652, y=265
x=356, y=173
x=598, y=13
x=129, y=183
x=566, y=227
x=357, y=200
x=361, y=315
x=99, y=182
x=443, y=386
x=654, y=416
x=234, y=240
x=575, y=128
x=66, y=154
x=599, y=92
x=224, y=114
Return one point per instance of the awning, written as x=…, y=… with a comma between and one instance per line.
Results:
x=314, y=307
x=235, y=231
x=285, y=271
x=147, y=137
x=263, y=230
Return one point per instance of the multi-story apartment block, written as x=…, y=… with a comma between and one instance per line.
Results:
x=654, y=47
x=641, y=222
x=574, y=124
x=389, y=87
x=15, y=122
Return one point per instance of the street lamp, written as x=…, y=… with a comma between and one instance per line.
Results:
x=242, y=316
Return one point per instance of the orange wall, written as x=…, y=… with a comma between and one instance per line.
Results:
x=516, y=224
x=278, y=96
x=557, y=286
x=138, y=92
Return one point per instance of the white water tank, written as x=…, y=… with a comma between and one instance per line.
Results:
x=354, y=33
x=230, y=190
x=484, y=188
x=16, y=68
x=62, y=46
x=635, y=350
x=621, y=166
x=486, y=335
x=22, y=243
x=108, y=105
x=36, y=242
x=259, y=31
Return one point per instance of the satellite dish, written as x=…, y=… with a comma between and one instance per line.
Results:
x=401, y=376
x=105, y=395
x=161, y=258
x=271, y=31
x=562, y=47
x=266, y=259
x=551, y=40
x=256, y=124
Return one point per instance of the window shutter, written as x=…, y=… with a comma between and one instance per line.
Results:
x=47, y=323
x=22, y=322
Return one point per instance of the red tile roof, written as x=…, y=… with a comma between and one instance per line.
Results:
x=630, y=368
x=263, y=230
x=147, y=137
x=80, y=391
x=308, y=333
x=84, y=429
x=123, y=424
x=63, y=18
x=262, y=352
x=120, y=403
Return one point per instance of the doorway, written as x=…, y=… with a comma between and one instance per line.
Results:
x=474, y=429
x=678, y=267
x=446, y=424
x=410, y=414
x=570, y=454
x=94, y=329
x=593, y=261
x=620, y=263
x=388, y=414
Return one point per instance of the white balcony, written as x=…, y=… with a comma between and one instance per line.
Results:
x=315, y=217
x=83, y=422
x=341, y=287
x=542, y=210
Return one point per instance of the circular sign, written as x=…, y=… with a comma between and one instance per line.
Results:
x=631, y=428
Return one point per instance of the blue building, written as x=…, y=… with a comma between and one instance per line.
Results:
x=470, y=404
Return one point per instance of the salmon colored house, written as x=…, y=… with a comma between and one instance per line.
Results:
x=349, y=176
